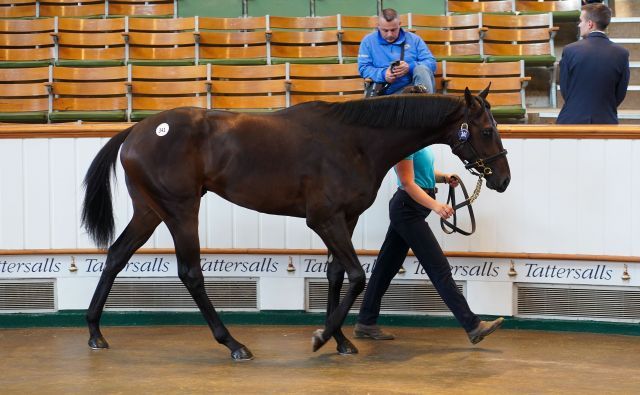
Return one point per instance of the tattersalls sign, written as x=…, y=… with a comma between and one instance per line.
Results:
x=315, y=266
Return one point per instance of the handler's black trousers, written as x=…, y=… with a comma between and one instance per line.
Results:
x=408, y=229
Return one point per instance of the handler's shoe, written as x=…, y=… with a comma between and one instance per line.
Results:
x=484, y=329
x=374, y=332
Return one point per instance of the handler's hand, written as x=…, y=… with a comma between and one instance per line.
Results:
x=452, y=179
x=443, y=210
x=389, y=76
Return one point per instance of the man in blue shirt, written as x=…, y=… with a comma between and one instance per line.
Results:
x=414, y=63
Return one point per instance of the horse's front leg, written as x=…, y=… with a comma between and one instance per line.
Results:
x=337, y=237
x=184, y=230
x=335, y=275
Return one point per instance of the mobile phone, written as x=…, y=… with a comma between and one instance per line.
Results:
x=395, y=64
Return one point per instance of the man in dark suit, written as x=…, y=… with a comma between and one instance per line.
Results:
x=594, y=72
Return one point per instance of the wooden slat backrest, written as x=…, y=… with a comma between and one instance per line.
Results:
x=232, y=38
x=168, y=73
x=247, y=87
x=484, y=69
x=24, y=47
x=161, y=24
x=91, y=53
x=319, y=51
x=248, y=102
x=323, y=70
x=297, y=99
x=165, y=103
x=480, y=6
x=496, y=98
x=91, y=25
x=327, y=86
x=548, y=6
x=253, y=51
x=445, y=21
x=516, y=21
x=458, y=35
x=16, y=2
x=90, y=73
x=20, y=11
x=67, y=88
x=442, y=50
x=22, y=90
x=141, y=9
x=90, y=39
x=304, y=38
x=169, y=87
x=24, y=74
x=477, y=84
x=24, y=105
x=161, y=53
x=516, y=49
x=245, y=23
x=517, y=35
x=354, y=36
x=90, y=103
x=71, y=8
x=24, y=54
x=161, y=38
x=27, y=25
x=25, y=40
x=248, y=72
x=359, y=22
x=318, y=22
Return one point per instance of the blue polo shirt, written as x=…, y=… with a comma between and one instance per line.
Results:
x=423, y=171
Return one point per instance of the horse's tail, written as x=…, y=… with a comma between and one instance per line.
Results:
x=97, y=210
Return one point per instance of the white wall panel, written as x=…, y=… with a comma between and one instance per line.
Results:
x=11, y=195
x=64, y=182
x=37, y=197
x=617, y=205
x=565, y=196
x=590, y=197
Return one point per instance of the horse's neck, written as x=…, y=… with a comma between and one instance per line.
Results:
x=388, y=147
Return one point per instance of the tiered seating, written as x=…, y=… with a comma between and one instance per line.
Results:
x=157, y=41
x=23, y=94
x=328, y=82
x=91, y=42
x=26, y=43
x=248, y=87
x=157, y=88
x=89, y=94
x=232, y=40
x=515, y=37
x=17, y=8
x=304, y=40
x=507, y=96
x=471, y=6
x=454, y=37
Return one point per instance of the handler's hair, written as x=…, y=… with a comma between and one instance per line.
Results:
x=599, y=14
x=389, y=14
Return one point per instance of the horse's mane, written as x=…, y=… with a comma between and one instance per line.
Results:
x=400, y=111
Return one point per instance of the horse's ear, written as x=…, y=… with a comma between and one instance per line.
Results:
x=485, y=92
x=467, y=96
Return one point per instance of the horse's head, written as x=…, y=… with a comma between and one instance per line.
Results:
x=478, y=144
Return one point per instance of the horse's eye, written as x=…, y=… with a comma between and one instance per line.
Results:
x=487, y=131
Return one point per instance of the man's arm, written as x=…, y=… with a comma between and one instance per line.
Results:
x=564, y=74
x=365, y=63
x=623, y=84
x=424, y=57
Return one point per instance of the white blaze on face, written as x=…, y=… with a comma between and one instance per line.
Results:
x=162, y=129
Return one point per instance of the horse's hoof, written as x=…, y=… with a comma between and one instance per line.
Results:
x=317, y=340
x=98, y=343
x=242, y=354
x=347, y=348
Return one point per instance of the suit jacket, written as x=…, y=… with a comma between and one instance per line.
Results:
x=594, y=75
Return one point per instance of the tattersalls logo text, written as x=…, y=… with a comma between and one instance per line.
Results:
x=486, y=269
x=48, y=265
x=600, y=272
x=155, y=265
x=219, y=265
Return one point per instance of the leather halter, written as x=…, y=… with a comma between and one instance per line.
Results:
x=480, y=164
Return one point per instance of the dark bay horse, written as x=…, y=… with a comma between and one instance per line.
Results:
x=320, y=161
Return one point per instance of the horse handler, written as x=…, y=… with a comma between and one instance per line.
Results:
x=408, y=209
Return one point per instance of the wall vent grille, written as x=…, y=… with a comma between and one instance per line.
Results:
x=27, y=295
x=402, y=297
x=159, y=294
x=567, y=301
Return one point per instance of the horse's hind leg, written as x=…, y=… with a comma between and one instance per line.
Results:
x=136, y=233
x=184, y=229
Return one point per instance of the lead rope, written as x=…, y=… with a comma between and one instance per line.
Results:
x=449, y=227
